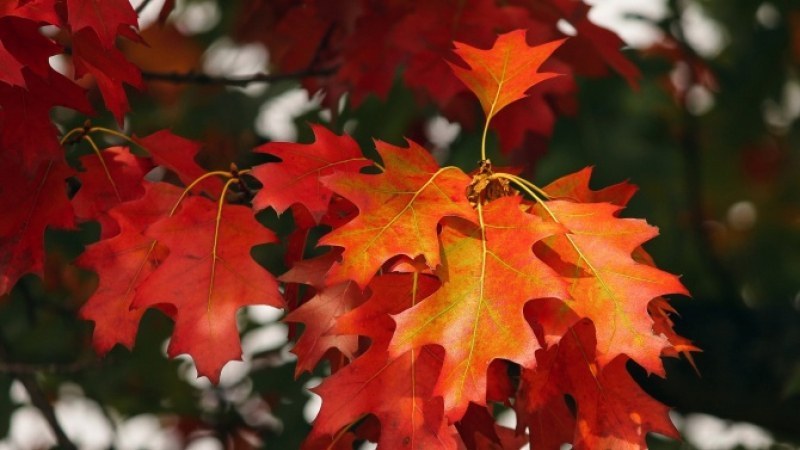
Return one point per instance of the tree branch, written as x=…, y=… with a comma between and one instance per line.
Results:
x=15, y=368
x=203, y=78
x=39, y=400
x=141, y=7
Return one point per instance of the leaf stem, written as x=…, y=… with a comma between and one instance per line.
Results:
x=99, y=154
x=199, y=179
x=69, y=134
x=483, y=138
x=215, y=244
x=117, y=134
x=491, y=113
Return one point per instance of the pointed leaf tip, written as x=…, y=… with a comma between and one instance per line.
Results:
x=502, y=74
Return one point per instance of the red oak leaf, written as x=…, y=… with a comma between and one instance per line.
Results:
x=122, y=263
x=107, y=183
x=502, y=74
x=475, y=316
x=660, y=310
x=319, y=314
x=25, y=45
x=106, y=18
x=612, y=410
x=397, y=391
x=296, y=178
x=575, y=187
x=26, y=133
x=479, y=431
x=208, y=275
x=593, y=47
x=606, y=283
x=426, y=33
x=399, y=211
x=108, y=67
x=10, y=68
x=178, y=154
x=31, y=203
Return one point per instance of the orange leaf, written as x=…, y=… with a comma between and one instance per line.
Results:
x=500, y=75
x=489, y=273
x=399, y=211
x=606, y=284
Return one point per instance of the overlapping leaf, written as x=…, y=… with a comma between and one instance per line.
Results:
x=31, y=203
x=476, y=316
x=106, y=18
x=320, y=312
x=208, y=275
x=27, y=135
x=613, y=412
x=575, y=187
x=296, y=178
x=107, y=183
x=398, y=391
x=399, y=211
x=122, y=263
x=109, y=68
x=606, y=284
x=178, y=154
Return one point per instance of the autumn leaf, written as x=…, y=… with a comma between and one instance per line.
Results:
x=27, y=134
x=296, y=178
x=25, y=46
x=606, y=284
x=613, y=412
x=208, y=275
x=178, y=154
x=106, y=18
x=475, y=315
x=593, y=47
x=575, y=187
x=122, y=263
x=396, y=390
x=399, y=211
x=109, y=68
x=10, y=68
x=660, y=310
x=479, y=431
x=320, y=312
x=31, y=203
x=107, y=183
x=500, y=75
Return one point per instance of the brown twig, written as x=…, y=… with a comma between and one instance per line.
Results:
x=39, y=400
x=16, y=368
x=203, y=78
x=141, y=7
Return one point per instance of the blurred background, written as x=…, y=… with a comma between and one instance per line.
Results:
x=709, y=131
